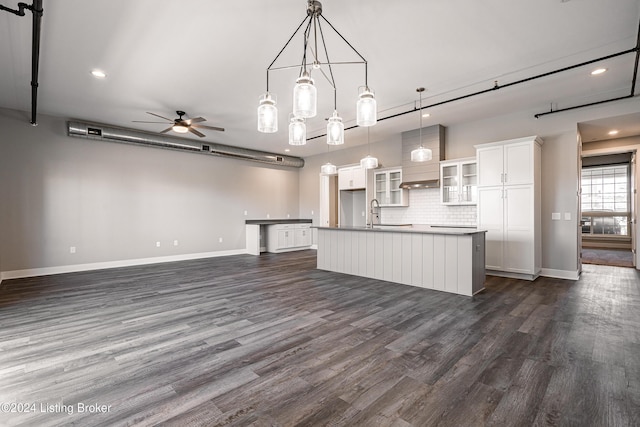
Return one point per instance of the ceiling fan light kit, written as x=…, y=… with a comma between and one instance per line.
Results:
x=305, y=91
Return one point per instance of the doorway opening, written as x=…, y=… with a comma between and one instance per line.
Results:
x=607, y=204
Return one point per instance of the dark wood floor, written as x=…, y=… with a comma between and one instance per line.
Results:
x=271, y=341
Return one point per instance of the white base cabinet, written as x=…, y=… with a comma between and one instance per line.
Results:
x=288, y=237
x=509, y=206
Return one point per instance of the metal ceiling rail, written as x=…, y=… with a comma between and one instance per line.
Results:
x=36, y=9
x=631, y=94
x=497, y=86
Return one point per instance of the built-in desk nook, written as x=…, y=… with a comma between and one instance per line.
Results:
x=277, y=235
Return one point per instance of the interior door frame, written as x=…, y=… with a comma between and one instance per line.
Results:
x=635, y=174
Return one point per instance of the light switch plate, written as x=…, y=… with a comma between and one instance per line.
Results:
x=567, y=216
x=555, y=216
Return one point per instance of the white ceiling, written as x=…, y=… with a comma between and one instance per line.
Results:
x=209, y=58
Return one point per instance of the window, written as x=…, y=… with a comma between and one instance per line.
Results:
x=605, y=200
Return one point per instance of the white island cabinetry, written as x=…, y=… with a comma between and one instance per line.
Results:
x=449, y=260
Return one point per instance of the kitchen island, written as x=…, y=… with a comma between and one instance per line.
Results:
x=449, y=259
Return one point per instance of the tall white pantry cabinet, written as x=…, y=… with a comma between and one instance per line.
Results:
x=509, y=199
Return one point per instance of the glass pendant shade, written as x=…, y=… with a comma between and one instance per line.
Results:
x=297, y=131
x=369, y=162
x=304, y=97
x=180, y=129
x=267, y=114
x=366, y=108
x=335, y=130
x=421, y=154
x=328, y=169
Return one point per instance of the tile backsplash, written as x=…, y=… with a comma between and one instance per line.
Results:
x=425, y=208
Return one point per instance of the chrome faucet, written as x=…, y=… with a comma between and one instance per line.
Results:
x=375, y=208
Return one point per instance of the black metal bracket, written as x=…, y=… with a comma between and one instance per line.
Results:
x=21, y=8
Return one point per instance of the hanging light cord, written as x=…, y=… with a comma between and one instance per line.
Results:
x=420, y=90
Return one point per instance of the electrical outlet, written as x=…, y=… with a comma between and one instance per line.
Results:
x=175, y=243
x=268, y=216
x=245, y=213
x=220, y=240
x=157, y=244
x=312, y=212
x=72, y=250
x=288, y=216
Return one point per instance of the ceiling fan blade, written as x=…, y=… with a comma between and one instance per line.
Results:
x=209, y=127
x=167, y=129
x=196, y=120
x=142, y=121
x=157, y=115
x=195, y=132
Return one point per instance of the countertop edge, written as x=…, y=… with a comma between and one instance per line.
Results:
x=439, y=230
x=277, y=221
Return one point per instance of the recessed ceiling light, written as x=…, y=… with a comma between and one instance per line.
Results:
x=613, y=132
x=98, y=74
x=598, y=71
x=286, y=150
x=426, y=115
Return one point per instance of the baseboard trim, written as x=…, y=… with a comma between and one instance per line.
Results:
x=45, y=271
x=560, y=274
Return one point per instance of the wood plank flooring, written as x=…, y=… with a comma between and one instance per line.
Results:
x=271, y=341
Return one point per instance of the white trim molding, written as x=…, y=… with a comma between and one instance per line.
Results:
x=32, y=272
x=560, y=274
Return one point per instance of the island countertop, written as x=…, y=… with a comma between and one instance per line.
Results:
x=411, y=228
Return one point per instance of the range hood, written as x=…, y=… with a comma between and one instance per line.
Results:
x=131, y=136
x=416, y=175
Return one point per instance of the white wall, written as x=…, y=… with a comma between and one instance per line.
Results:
x=115, y=201
x=559, y=168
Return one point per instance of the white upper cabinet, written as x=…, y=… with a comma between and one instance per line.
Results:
x=387, y=188
x=352, y=178
x=509, y=164
x=459, y=185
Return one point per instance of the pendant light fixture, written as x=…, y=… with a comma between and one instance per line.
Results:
x=297, y=131
x=421, y=154
x=305, y=91
x=328, y=168
x=267, y=114
x=369, y=162
x=305, y=97
x=366, y=108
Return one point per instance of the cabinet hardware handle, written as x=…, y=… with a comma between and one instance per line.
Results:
x=505, y=177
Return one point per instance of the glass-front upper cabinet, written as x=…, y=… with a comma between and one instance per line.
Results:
x=459, y=184
x=387, y=188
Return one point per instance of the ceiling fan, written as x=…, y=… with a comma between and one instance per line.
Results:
x=181, y=125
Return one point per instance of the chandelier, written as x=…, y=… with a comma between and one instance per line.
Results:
x=314, y=58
